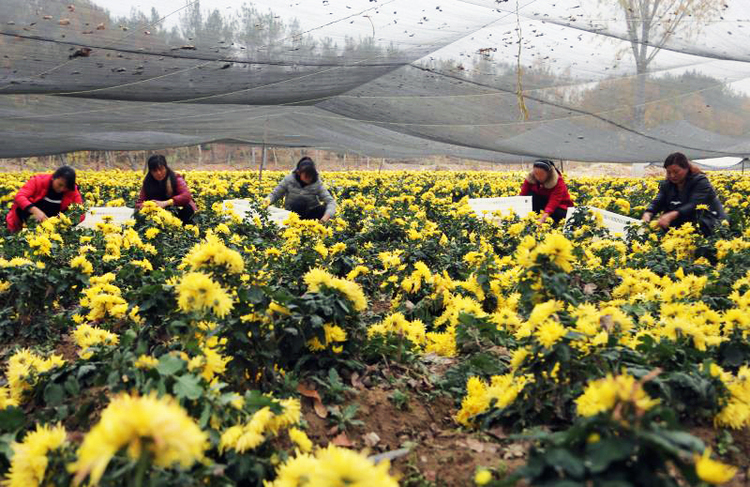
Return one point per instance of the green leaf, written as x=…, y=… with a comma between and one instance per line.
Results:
x=12, y=418
x=188, y=386
x=602, y=453
x=255, y=400
x=255, y=295
x=562, y=458
x=170, y=365
x=565, y=483
x=53, y=394
x=685, y=439
x=205, y=416
x=71, y=386
x=85, y=369
x=733, y=355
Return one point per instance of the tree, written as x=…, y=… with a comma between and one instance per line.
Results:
x=651, y=24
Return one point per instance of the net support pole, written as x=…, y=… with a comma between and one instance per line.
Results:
x=263, y=162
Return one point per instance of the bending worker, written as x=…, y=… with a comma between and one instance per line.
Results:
x=304, y=193
x=548, y=191
x=166, y=188
x=685, y=189
x=44, y=196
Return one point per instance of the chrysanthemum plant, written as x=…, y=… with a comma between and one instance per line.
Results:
x=623, y=437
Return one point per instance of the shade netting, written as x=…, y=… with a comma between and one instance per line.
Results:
x=493, y=80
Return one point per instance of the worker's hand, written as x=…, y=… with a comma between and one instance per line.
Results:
x=325, y=218
x=163, y=204
x=543, y=218
x=667, y=218
x=38, y=214
x=647, y=216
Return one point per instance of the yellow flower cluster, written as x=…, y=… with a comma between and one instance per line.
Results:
x=711, y=471
x=332, y=467
x=736, y=414
x=555, y=247
x=159, y=216
x=602, y=395
x=298, y=230
x=80, y=262
x=103, y=298
x=87, y=336
x=5, y=399
x=29, y=462
x=248, y=436
x=213, y=253
x=158, y=427
x=198, y=292
x=398, y=325
x=334, y=335
x=503, y=389
x=23, y=368
x=317, y=278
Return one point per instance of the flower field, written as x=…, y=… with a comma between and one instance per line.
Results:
x=235, y=352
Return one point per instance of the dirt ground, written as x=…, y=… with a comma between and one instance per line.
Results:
x=430, y=445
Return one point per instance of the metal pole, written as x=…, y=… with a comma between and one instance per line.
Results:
x=263, y=162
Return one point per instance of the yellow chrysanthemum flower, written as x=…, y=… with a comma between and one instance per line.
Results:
x=29, y=462
x=602, y=395
x=301, y=440
x=147, y=424
x=711, y=471
x=198, y=292
x=315, y=278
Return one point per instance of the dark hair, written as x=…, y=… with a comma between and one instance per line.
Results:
x=156, y=161
x=681, y=160
x=307, y=166
x=159, y=190
x=68, y=174
x=546, y=164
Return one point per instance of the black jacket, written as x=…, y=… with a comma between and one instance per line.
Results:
x=696, y=191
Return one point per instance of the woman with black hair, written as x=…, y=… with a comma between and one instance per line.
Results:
x=166, y=188
x=685, y=188
x=304, y=193
x=548, y=191
x=44, y=196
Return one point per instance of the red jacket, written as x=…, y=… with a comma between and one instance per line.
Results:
x=180, y=196
x=35, y=190
x=554, y=189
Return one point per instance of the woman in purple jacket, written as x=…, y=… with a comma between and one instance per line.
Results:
x=166, y=188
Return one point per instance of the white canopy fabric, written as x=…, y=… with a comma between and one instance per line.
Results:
x=482, y=79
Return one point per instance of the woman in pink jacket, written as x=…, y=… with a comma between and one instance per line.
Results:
x=166, y=188
x=548, y=191
x=44, y=196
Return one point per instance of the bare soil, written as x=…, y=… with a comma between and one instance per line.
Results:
x=438, y=451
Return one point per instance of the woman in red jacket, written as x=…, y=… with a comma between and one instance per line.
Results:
x=44, y=196
x=166, y=188
x=548, y=191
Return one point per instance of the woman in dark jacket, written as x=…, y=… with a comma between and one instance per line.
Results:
x=548, y=191
x=44, y=196
x=304, y=193
x=166, y=188
x=685, y=188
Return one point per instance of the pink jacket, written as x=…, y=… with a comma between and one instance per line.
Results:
x=181, y=195
x=34, y=190
x=554, y=189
